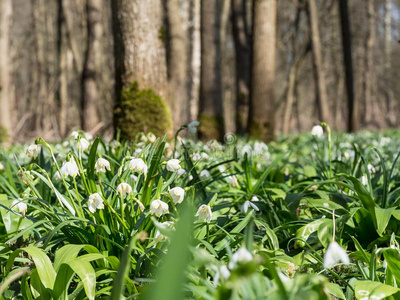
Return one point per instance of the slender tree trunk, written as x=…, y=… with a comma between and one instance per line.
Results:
x=6, y=90
x=90, y=74
x=353, y=108
x=369, y=61
x=211, y=109
x=319, y=73
x=177, y=65
x=242, y=41
x=262, y=103
x=390, y=105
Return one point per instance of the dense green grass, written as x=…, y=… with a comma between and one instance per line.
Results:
x=275, y=211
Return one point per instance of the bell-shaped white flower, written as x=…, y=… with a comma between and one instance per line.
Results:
x=181, y=172
x=317, y=131
x=364, y=180
x=335, y=254
x=247, y=204
x=102, y=165
x=241, y=256
x=82, y=145
x=221, y=272
x=164, y=225
x=177, y=194
x=158, y=208
x=57, y=175
x=95, y=202
x=192, y=126
x=33, y=151
x=204, y=213
x=1, y=167
x=151, y=138
x=233, y=181
x=69, y=168
x=196, y=157
x=140, y=204
x=204, y=175
x=134, y=177
x=19, y=206
x=254, y=199
x=75, y=134
x=173, y=165
x=138, y=165
x=124, y=189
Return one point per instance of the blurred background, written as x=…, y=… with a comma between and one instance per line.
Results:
x=251, y=67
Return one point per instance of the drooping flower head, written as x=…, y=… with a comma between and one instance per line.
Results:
x=241, y=256
x=82, y=145
x=102, y=165
x=95, y=202
x=335, y=254
x=317, y=131
x=124, y=189
x=138, y=165
x=204, y=175
x=19, y=206
x=177, y=194
x=69, y=168
x=173, y=165
x=204, y=213
x=158, y=208
x=33, y=151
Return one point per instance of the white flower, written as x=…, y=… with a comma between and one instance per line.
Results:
x=317, y=131
x=246, y=204
x=177, y=194
x=335, y=254
x=204, y=155
x=138, y=165
x=221, y=272
x=19, y=206
x=83, y=145
x=241, y=256
x=371, y=168
x=141, y=206
x=69, y=168
x=134, y=178
x=196, y=156
x=158, y=208
x=173, y=165
x=233, y=181
x=192, y=126
x=181, y=172
x=204, y=213
x=364, y=180
x=204, y=175
x=164, y=225
x=124, y=189
x=151, y=137
x=95, y=202
x=57, y=176
x=102, y=165
x=254, y=198
x=75, y=134
x=1, y=167
x=283, y=277
x=33, y=151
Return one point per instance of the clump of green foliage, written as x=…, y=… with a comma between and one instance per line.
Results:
x=142, y=111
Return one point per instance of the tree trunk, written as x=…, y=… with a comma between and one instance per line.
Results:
x=390, y=103
x=241, y=38
x=90, y=74
x=353, y=110
x=211, y=109
x=139, y=47
x=177, y=65
x=262, y=103
x=322, y=98
x=6, y=90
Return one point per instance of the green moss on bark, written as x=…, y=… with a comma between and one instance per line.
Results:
x=211, y=128
x=3, y=135
x=261, y=131
x=142, y=111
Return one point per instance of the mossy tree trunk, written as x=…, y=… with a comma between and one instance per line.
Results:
x=210, y=108
x=262, y=103
x=139, y=48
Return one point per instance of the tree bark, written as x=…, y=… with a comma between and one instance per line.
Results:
x=177, y=66
x=139, y=46
x=262, y=103
x=353, y=108
x=90, y=74
x=390, y=103
x=242, y=41
x=6, y=90
x=211, y=109
x=319, y=73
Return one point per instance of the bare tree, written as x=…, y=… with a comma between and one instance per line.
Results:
x=353, y=111
x=177, y=65
x=6, y=91
x=262, y=103
x=211, y=109
x=241, y=35
x=319, y=73
x=90, y=74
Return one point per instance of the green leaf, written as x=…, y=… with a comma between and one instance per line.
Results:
x=366, y=289
x=87, y=275
x=92, y=159
x=305, y=231
x=392, y=257
x=43, y=265
x=66, y=254
x=335, y=290
x=382, y=218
